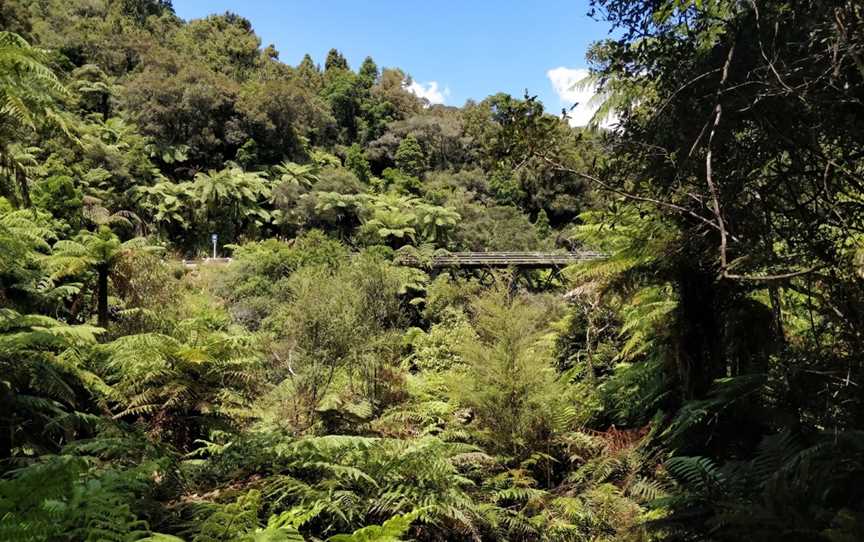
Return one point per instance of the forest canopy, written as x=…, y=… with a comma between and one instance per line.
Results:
x=695, y=380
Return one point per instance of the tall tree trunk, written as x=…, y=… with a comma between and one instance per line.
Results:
x=700, y=328
x=102, y=294
x=7, y=424
x=23, y=186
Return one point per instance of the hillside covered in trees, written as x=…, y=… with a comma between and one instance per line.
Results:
x=700, y=382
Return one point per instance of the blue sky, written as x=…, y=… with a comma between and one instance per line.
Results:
x=454, y=50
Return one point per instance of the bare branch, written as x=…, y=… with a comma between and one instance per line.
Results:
x=605, y=186
x=709, y=173
x=770, y=278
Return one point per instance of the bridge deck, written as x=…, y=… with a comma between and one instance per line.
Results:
x=475, y=260
x=532, y=260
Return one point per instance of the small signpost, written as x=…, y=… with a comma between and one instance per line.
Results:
x=213, y=238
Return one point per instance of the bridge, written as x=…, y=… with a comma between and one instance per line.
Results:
x=504, y=260
x=473, y=260
x=519, y=265
x=481, y=265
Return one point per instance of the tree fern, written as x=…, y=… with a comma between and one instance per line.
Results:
x=725, y=394
x=230, y=521
x=45, y=379
x=28, y=88
x=160, y=377
x=353, y=481
x=391, y=530
x=782, y=491
x=304, y=175
x=64, y=496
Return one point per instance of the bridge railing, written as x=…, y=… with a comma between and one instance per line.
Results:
x=472, y=259
x=506, y=259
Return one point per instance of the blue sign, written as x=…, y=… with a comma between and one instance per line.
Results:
x=213, y=237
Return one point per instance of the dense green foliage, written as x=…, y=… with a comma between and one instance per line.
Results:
x=700, y=382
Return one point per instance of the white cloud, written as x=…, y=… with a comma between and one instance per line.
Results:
x=429, y=90
x=565, y=82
